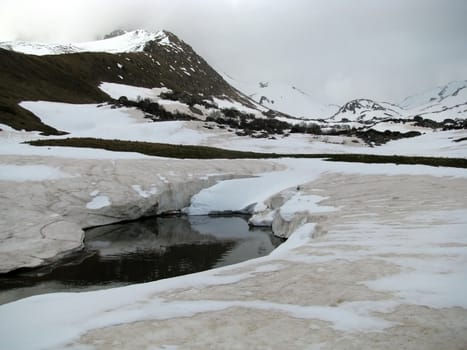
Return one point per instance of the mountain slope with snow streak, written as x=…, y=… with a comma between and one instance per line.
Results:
x=445, y=102
x=437, y=94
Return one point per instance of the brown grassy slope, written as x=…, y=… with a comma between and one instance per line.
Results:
x=51, y=78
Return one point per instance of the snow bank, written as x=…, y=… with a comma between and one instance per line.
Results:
x=245, y=194
x=89, y=120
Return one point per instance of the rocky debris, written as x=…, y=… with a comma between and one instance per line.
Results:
x=249, y=124
x=446, y=124
x=376, y=138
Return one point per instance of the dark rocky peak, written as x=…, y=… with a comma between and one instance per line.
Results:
x=115, y=33
x=356, y=106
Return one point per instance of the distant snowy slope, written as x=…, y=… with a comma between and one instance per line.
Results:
x=440, y=103
x=283, y=98
x=437, y=94
x=133, y=41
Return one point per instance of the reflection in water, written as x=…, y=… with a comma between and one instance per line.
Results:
x=143, y=251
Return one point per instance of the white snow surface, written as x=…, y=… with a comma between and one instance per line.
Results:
x=21, y=173
x=104, y=122
x=98, y=202
x=133, y=41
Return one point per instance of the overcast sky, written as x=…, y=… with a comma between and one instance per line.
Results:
x=336, y=50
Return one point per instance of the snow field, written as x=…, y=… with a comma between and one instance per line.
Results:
x=428, y=253
x=130, y=124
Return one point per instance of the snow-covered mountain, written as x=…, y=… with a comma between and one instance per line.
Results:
x=364, y=110
x=284, y=98
x=438, y=104
x=132, y=41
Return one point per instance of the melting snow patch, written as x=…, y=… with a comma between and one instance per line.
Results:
x=436, y=290
x=98, y=202
x=262, y=219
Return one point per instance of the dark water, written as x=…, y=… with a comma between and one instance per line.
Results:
x=144, y=251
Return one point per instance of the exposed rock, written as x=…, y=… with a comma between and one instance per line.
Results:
x=115, y=33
